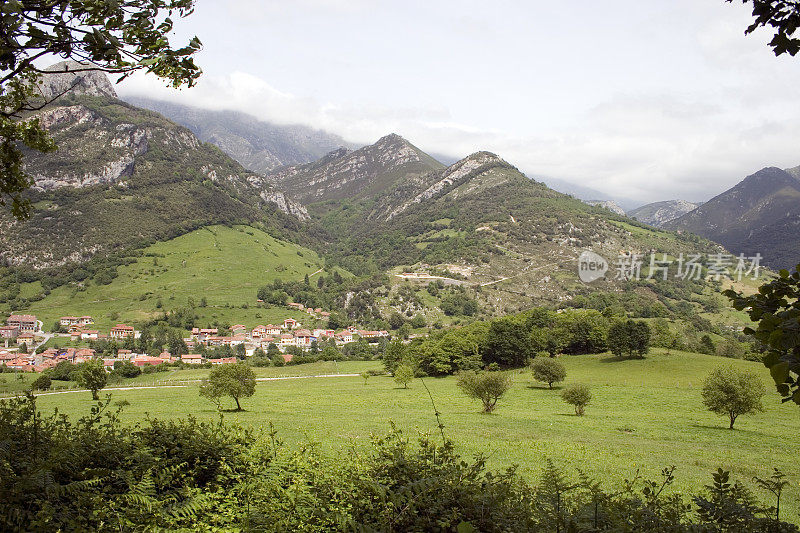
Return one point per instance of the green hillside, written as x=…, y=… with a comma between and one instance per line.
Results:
x=224, y=265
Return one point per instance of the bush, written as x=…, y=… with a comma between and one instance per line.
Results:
x=488, y=387
x=126, y=369
x=42, y=382
x=577, y=395
x=727, y=391
x=404, y=374
x=548, y=370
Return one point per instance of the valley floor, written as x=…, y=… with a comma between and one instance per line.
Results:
x=645, y=415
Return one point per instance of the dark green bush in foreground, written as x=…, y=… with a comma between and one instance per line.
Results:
x=95, y=474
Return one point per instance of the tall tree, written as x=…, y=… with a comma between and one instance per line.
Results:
x=118, y=37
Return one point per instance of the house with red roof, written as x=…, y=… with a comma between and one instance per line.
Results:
x=192, y=358
x=224, y=361
x=23, y=322
x=303, y=338
x=343, y=337
x=8, y=332
x=290, y=323
x=90, y=334
x=146, y=360
x=121, y=331
x=273, y=330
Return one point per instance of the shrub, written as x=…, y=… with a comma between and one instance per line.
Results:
x=126, y=369
x=548, y=370
x=404, y=374
x=577, y=395
x=42, y=382
x=727, y=391
x=488, y=387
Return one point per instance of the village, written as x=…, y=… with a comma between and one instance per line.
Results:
x=23, y=335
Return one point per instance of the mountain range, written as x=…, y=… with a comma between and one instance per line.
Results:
x=125, y=177
x=258, y=145
x=760, y=215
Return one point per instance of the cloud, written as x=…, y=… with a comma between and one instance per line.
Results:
x=684, y=114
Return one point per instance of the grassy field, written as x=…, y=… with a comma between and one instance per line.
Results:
x=645, y=415
x=224, y=265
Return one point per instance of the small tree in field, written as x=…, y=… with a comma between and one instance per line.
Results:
x=548, y=370
x=727, y=391
x=92, y=375
x=234, y=380
x=404, y=374
x=577, y=395
x=488, y=387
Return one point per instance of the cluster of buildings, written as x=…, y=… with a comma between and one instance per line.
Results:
x=289, y=334
x=78, y=330
x=22, y=328
x=47, y=359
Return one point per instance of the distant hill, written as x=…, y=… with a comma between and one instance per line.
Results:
x=585, y=193
x=761, y=214
x=510, y=238
x=346, y=174
x=659, y=213
x=258, y=145
x=185, y=269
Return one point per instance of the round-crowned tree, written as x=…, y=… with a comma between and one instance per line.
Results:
x=488, y=387
x=91, y=375
x=548, y=370
x=730, y=392
x=234, y=380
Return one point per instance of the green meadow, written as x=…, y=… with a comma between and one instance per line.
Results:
x=224, y=265
x=645, y=415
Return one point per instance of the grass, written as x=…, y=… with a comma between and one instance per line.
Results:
x=644, y=415
x=224, y=265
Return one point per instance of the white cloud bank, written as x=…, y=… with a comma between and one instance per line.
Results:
x=667, y=134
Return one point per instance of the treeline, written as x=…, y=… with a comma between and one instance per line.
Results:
x=512, y=341
x=96, y=474
x=350, y=299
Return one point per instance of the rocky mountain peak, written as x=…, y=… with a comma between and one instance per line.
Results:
x=72, y=77
x=659, y=213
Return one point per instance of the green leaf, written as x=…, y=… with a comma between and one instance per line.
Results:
x=780, y=372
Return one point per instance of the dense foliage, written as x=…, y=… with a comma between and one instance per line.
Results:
x=96, y=474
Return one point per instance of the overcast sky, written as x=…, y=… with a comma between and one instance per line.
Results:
x=649, y=100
